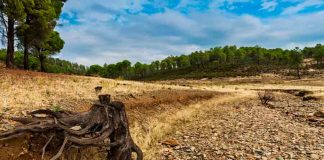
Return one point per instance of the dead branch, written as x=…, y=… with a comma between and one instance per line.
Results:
x=104, y=125
x=265, y=97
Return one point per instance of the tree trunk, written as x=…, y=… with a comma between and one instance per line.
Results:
x=42, y=62
x=26, y=47
x=10, y=43
x=26, y=56
x=298, y=72
x=104, y=126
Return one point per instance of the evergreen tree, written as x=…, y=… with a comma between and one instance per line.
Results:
x=11, y=11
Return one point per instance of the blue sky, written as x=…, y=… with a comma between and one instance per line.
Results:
x=108, y=31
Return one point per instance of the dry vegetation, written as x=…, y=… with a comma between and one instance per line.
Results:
x=173, y=110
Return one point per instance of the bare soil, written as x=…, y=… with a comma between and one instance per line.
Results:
x=151, y=103
x=180, y=119
x=248, y=130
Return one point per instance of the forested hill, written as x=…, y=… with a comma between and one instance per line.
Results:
x=225, y=61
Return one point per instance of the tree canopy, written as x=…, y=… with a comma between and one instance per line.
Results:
x=33, y=22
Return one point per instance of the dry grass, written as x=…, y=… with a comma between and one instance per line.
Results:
x=22, y=91
x=25, y=91
x=167, y=124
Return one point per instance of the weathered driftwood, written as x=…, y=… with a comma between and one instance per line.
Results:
x=104, y=125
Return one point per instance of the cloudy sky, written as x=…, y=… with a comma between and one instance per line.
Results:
x=108, y=31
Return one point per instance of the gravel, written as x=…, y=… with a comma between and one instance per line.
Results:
x=248, y=130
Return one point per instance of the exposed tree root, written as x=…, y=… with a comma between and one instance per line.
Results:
x=105, y=125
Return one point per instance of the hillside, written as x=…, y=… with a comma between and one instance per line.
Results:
x=167, y=112
x=161, y=80
x=227, y=61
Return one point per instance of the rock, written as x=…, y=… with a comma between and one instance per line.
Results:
x=315, y=156
x=309, y=98
x=24, y=113
x=313, y=120
x=177, y=147
x=231, y=156
x=280, y=158
x=264, y=158
x=167, y=150
x=188, y=150
x=171, y=142
x=224, y=147
x=258, y=152
x=291, y=155
x=319, y=114
x=301, y=93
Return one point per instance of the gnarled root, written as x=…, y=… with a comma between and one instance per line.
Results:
x=104, y=125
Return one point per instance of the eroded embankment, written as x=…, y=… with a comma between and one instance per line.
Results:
x=151, y=115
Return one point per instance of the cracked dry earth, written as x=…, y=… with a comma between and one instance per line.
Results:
x=244, y=130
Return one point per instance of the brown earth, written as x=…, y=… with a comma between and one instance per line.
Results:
x=248, y=130
x=182, y=119
x=152, y=104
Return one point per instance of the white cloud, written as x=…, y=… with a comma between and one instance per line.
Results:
x=303, y=5
x=142, y=37
x=269, y=5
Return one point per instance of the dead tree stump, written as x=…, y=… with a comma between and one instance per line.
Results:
x=104, y=125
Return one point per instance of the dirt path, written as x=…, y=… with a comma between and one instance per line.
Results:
x=244, y=129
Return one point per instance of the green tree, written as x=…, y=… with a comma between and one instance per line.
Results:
x=183, y=61
x=37, y=27
x=51, y=46
x=238, y=56
x=164, y=65
x=230, y=53
x=139, y=69
x=217, y=54
x=319, y=53
x=94, y=70
x=296, y=59
x=199, y=59
x=155, y=66
x=11, y=11
x=110, y=71
x=167, y=64
x=122, y=68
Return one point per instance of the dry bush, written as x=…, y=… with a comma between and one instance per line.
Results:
x=265, y=97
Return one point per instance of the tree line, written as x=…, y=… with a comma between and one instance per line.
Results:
x=29, y=26
x=52, y=65
x=225, y=58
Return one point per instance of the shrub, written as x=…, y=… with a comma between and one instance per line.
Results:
x=265, y=97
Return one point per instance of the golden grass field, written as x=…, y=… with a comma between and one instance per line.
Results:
x=155, y=109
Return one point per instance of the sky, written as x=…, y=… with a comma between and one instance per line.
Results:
x=109, y=31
